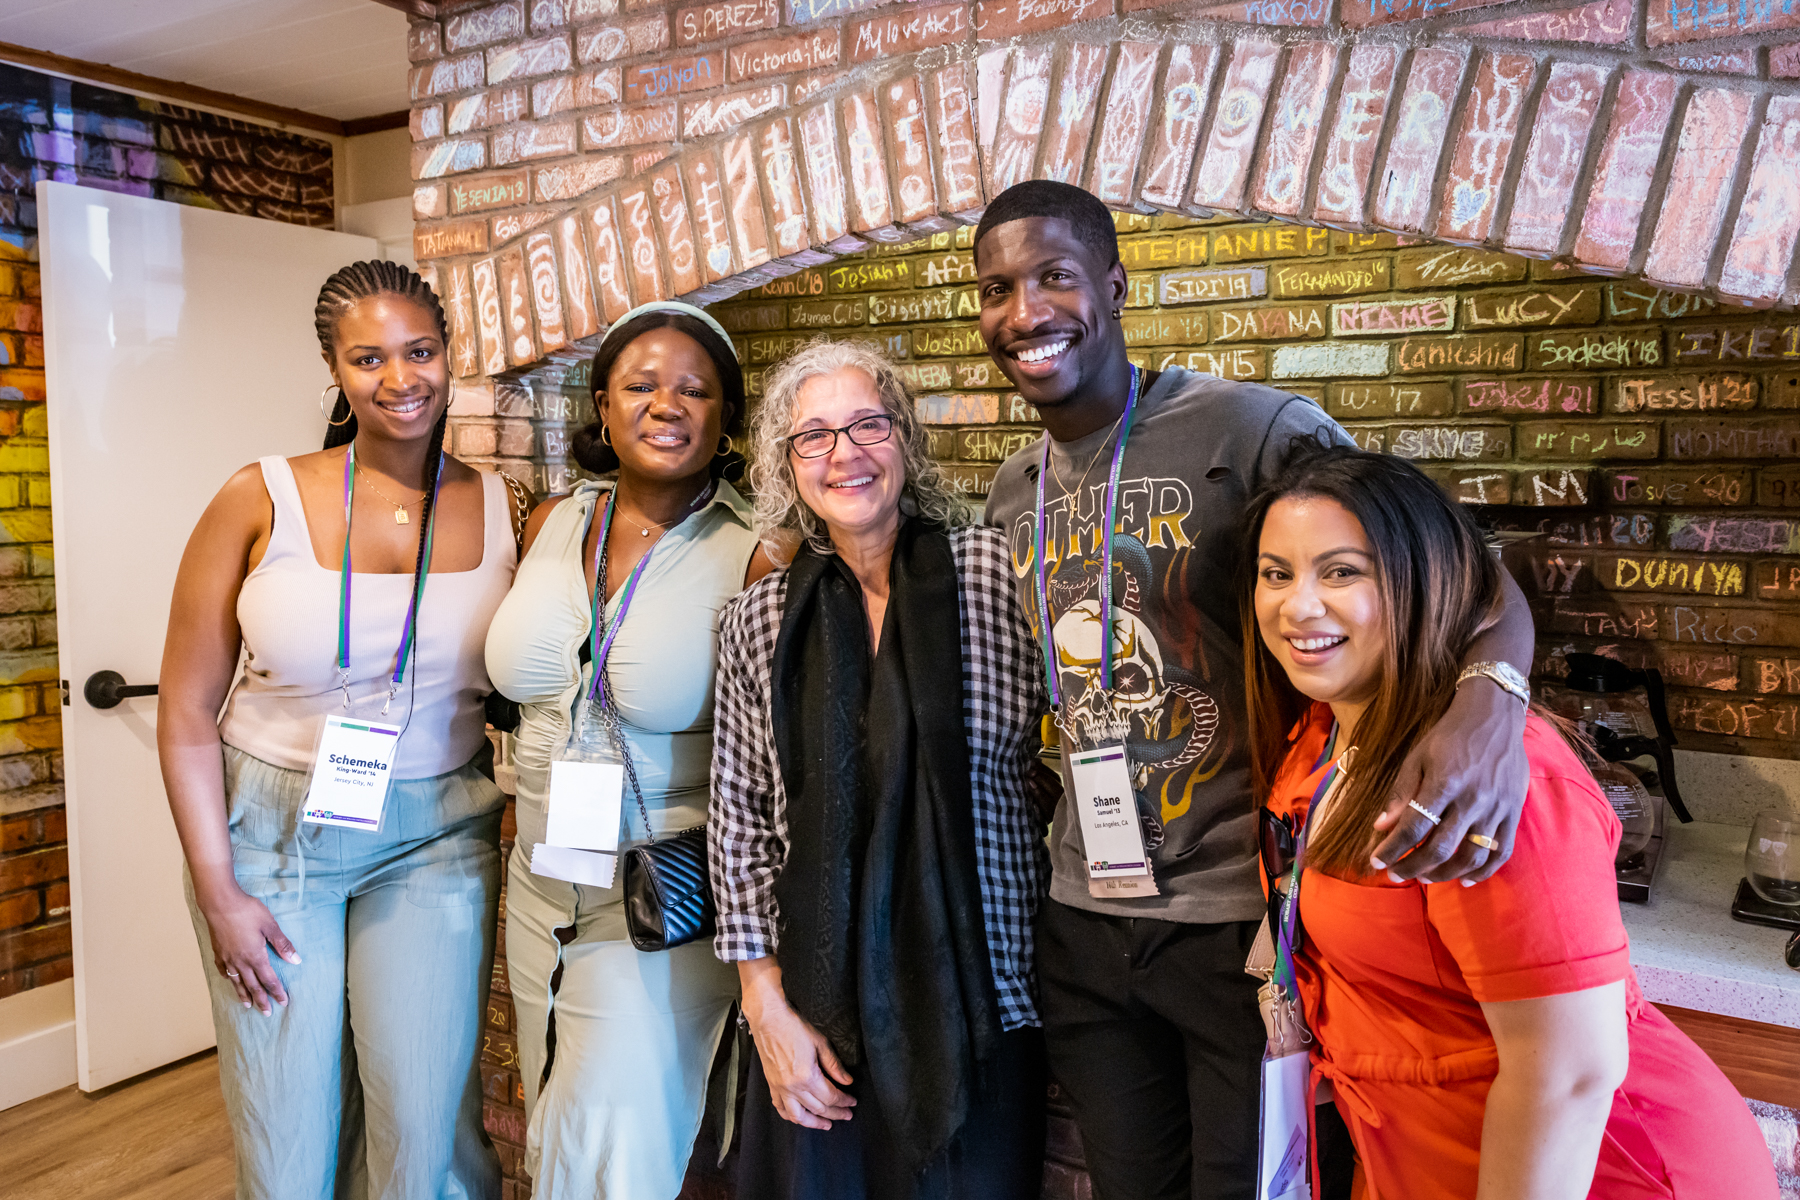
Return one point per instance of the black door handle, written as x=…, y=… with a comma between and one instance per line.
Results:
x=104, y=689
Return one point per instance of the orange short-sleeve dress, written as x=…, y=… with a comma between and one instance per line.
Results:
x=1393, y=977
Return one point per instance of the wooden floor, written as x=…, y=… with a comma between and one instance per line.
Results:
x=162, y=1136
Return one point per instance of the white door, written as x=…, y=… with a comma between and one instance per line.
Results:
x=178, y=346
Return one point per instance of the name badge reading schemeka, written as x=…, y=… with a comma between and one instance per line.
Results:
x=350, y=774
x=1106, y=806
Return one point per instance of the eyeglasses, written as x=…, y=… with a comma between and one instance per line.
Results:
x=817, y=443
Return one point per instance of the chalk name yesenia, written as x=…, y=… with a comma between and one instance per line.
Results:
x=345, y=761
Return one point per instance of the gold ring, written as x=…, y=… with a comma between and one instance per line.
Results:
x=1484, y=841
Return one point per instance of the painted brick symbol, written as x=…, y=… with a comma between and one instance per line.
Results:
x=577, y=280
x=1628, y=161
x=465, y=353
x=1404, y=198
x=1129, y=100
x=637, y=125
x=515, y=309
x=606, y=248
x=779, y=166
x=1186, y=85
x=705, y=187
x=1762, y=245
x=1230, y=147
x=676, y=230
x=749, y=228
x=903, y=114
x=1490, y=125
x=1545, y=194
x=1350, y=149
x=1294, y=133
x=716, y=114
x=1699, y=187
x=953, y=126
x=638, y=240
x=870, y=203
x=1070, y=119
x=824, y=175
x=546, y=292
x=1021, y=118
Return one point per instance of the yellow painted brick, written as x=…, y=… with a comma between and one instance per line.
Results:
x=38, y=492
x=10, y=491
x=25, y=524
x=37, y=421
x=18, y=702
x=23, y=454
x=30, y=282
x=9, y=279
x=31, y=734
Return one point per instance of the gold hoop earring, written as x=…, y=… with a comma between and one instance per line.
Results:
x=605, y=435
x=326, y=412
x=724, y=444
x=1118, y=314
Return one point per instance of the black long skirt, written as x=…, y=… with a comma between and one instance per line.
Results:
x=998, y=1154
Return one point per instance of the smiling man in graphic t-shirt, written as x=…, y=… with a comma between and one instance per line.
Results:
x=1151, y=1022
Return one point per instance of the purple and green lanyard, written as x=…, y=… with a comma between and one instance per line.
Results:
x=404, y=654
x=1110, y=519
x=600, y=649
x=1288, y=936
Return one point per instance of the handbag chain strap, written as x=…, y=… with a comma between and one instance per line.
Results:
x=609, y=710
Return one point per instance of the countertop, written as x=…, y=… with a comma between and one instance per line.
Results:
x=1688, y=950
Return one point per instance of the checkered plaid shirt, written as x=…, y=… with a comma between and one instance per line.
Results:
x=1003, y=699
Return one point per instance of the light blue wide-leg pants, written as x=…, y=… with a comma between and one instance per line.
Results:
x=365, y=1085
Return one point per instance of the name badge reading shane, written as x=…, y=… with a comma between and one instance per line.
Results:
x=1107, y=809
x=350, y=774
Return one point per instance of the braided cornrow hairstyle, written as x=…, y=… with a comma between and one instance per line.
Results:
x=343, y=291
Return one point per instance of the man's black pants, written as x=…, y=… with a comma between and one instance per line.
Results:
x=1153, y=1030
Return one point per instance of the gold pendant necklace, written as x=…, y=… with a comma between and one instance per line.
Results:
x=400, y=514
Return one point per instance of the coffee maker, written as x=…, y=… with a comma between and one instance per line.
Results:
x=1622, y=710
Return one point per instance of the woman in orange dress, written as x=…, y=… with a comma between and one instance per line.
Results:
x=1484, y=1041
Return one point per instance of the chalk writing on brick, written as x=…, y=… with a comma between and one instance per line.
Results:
x=1684, y=393
x=1560, y=394
x=1460, y=352
x=1197, y=287
x=1587, y=350
x=1364, y=318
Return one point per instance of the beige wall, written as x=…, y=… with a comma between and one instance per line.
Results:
x=375, y=166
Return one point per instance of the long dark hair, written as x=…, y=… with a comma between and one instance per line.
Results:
x=595, y=455
x=1440, y=587
x=343, y=291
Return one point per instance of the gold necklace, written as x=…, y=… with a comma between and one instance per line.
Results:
x=1056, y=472
x=400, y=516
x=644, y=529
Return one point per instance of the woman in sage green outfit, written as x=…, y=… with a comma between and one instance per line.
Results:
x=635, y=1032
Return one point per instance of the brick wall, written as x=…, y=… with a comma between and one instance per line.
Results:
x=54, y=129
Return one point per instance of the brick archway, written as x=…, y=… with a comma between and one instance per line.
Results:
x=573, y=159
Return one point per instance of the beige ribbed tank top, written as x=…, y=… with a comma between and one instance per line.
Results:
x=288, y=612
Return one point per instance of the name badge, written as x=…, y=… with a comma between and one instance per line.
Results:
x=1106, y=806
x=350, y=774
x=581, y=830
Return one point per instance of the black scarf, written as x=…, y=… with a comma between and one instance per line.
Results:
x=882, y=943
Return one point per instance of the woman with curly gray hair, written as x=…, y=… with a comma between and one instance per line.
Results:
x=874, y=851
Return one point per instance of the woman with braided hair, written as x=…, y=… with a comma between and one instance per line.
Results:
x=357, y=583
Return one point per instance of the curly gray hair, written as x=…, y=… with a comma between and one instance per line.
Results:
x=783, y=519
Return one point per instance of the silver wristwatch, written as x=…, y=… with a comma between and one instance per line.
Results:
x=1504, y=674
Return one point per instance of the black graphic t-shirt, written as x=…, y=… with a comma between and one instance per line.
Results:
x=1199, y=448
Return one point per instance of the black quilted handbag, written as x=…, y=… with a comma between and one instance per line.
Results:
x=668, y=896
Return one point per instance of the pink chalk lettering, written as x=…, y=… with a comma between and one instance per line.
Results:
x=1490, y=124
